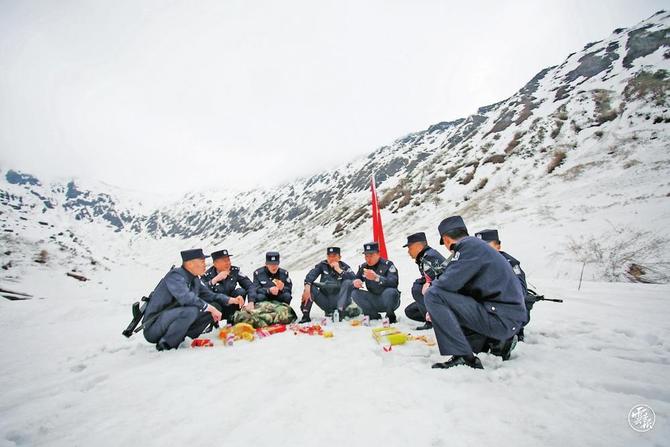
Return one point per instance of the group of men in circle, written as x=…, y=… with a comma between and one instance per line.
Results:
x=474, y=300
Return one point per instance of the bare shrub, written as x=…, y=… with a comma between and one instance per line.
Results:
x=653, y=86
x=562, y=113
x=495, y=159
x=604, y=110
x=42, y=257
x=339, y=230
x=624, y=254
x=467, y=178
x=481, y=185
x=556, y=161
x=630, y=163
x=513, y=143
x=437, y=184
x=557, y=129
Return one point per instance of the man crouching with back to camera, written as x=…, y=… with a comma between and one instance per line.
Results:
x=476, y=297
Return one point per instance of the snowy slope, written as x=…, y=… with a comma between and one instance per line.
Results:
x=601, y=116
x=69, y=378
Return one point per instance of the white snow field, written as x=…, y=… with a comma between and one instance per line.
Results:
x=69, y=378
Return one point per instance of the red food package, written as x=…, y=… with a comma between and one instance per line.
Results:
x=276, y=328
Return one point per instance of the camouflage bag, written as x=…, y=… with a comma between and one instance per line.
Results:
x=266, y=313
x=352, y=311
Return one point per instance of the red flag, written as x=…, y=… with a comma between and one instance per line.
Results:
x=377, y=228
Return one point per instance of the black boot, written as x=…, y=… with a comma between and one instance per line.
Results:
x=305, y=319
x=458, y=360
x=520, y=335
x=426, y=326
x=509, y=347
x=162, y=346
x=392, y=318
x=504, y=348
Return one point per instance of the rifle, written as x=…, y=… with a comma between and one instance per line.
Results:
x=553, y=300
x=533, y=296
x=138, y=312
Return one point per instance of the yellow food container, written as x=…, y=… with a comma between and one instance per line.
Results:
x=397, y=339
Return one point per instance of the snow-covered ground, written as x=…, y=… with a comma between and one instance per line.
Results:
x=68, y=377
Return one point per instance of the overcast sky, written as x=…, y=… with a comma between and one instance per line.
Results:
x=178, y=95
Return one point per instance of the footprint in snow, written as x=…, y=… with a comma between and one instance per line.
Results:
x=17, y=438
x=89, y=385
x=78, y=368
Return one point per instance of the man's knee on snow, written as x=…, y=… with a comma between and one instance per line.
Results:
x=414, y=313
x=431, y=298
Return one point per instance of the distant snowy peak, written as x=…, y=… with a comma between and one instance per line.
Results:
x=606, y=103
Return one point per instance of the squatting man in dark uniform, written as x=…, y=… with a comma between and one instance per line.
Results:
x=431, y=264
x=195, y=308
x=224, y=278
x=380, y=278
x=337, y=279
x=271, y=283
x=491, y=237
x=477, y=293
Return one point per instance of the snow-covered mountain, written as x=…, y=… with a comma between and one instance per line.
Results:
x=579, y=153
x=573, y=170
